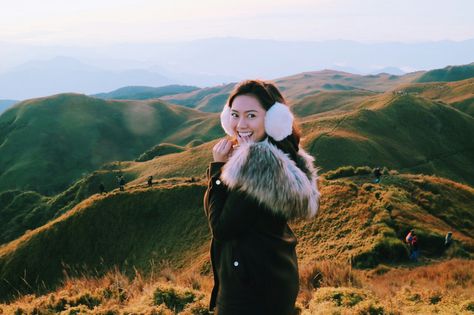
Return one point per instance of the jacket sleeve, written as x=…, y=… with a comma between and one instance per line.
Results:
x=229, y=212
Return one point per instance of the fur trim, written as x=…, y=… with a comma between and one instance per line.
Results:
x=273, y=179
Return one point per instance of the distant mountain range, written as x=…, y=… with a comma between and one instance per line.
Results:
x=36, y=71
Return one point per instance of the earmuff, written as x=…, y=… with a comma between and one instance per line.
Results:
x=278, y=121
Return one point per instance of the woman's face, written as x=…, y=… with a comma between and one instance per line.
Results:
x=247, y=119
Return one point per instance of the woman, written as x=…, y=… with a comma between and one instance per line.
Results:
x=255, y=187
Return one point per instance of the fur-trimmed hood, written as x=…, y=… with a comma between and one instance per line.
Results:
x=270, y=176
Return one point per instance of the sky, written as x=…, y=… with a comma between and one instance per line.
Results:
x=93, y=22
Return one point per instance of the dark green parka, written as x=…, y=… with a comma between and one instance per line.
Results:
x=248, y=203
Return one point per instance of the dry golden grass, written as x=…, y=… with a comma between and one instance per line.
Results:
x=327, y=287
x=162, y=292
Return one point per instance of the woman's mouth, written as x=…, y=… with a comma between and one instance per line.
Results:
x=246, y=134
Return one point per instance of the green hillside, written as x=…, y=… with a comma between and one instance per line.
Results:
x=22, y=211
x=401, y=132
x=450, y=73
x=207, y=99
x=69, y=135
x=143, y=226
x=297, y=87
x=330, y=101
x=459, y=94
x=159, y=150
x=405, y=132
x=130, y=229
x=145, y=92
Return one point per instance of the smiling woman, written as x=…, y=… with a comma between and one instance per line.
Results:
x=254, y=189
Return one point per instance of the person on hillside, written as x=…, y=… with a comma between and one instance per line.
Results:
x=408, y=240
x=121, y=182
x=150, y=181
x=260, y=180
x=102, y=188
x=415, y=247
x=378, y=174
x=412, y=240
x=448, y=240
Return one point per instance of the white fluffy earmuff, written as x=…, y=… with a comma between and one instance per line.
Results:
x=225, y=120
x=278, y=121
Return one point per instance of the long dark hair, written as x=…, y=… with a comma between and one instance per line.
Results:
x=267, y=94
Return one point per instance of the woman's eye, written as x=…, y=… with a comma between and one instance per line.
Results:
x=251, y=116
x=234, y=115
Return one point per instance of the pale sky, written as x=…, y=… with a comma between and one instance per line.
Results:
x=92, y=22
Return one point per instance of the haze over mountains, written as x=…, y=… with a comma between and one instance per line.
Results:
x=34, y=71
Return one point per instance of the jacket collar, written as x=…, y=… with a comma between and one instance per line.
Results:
x=271, y=177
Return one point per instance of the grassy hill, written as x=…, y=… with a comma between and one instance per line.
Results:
x=330, y=101
x=297, y=87
x=22, y=211
x=141, y=227
x=450, y=73
x=404, y=132
x=48, y=143
x=145, y=92
x=159, y=150
x=459, y=94
x=207, y=99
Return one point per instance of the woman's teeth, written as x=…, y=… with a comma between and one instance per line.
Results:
x=245, y=134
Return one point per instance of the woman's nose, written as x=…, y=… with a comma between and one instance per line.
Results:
x=242, y=123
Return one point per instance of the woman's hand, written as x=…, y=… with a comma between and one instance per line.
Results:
x=222, y=150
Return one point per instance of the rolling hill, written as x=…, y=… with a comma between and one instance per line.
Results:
x=358, y=220
x=48, y=143
x=55, y=151
x=459, y=94
x=145, y=92
x=449, y=73
x=297, y=87
x=403, y=132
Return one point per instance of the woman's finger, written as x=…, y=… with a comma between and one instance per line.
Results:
x=218, y=145
x=227, y=147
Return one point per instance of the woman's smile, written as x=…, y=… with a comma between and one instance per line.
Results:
x=248, y=119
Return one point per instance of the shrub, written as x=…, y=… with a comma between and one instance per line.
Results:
x=469, y=306
x=87, y=300
x=363, y=170
x=369, y=308
x=327, y=274
x=343, y=297
x=344, y=171
x=172, y=298
x=435, y=298
x=388, y=249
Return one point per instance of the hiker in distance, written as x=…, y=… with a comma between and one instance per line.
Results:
x=260, y=180
x=121, y=182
